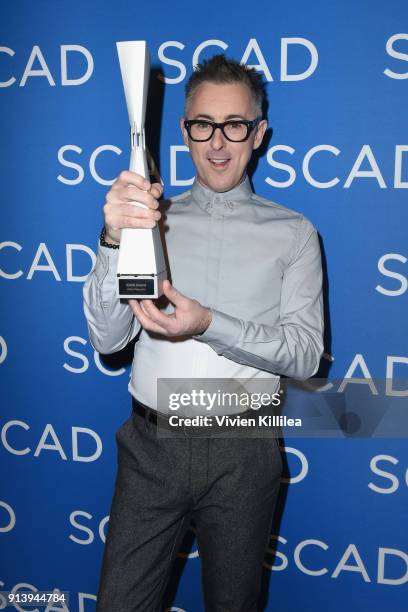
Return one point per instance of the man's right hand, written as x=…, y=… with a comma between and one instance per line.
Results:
x=120, y=212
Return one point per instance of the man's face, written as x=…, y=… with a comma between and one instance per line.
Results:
x=221, y=164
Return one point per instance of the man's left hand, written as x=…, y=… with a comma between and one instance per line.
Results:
x=188, y=319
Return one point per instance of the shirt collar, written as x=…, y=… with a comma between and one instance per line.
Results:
x=208, y=199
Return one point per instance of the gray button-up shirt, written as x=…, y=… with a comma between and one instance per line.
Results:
x=254, y=263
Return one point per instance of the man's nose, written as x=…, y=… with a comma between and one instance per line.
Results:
x=218, y=139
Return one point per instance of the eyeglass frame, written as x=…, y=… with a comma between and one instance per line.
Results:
x=250, y=125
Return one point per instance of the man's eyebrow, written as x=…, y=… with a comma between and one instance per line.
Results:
x=211, y=118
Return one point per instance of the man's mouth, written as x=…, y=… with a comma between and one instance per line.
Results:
x=219, y=162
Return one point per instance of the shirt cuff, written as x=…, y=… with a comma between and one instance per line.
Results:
x=222, y=333
x=106, y=266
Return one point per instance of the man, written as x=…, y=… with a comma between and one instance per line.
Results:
x=245, y=302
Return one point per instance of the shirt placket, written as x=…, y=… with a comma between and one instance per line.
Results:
x=211, y=291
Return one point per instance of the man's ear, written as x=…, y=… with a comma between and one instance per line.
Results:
x=260, y=133
x=184, y=131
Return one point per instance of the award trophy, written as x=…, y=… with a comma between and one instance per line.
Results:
x=141, y=266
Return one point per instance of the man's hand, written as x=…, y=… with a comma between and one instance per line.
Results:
x=188, y=319
x=120, y=212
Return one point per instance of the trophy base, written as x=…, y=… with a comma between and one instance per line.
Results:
x=139, y=286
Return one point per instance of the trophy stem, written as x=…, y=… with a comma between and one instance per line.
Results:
x=141, y=266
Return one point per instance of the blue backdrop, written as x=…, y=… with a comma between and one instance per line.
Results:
x=337, y=77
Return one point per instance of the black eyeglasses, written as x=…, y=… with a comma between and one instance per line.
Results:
x=235, y=130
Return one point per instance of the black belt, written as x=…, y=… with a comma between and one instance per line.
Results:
x=151, y=415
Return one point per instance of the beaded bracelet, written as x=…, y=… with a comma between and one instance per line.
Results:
x=103, y=242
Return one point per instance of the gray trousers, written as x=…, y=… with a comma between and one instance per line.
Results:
x=228, y=485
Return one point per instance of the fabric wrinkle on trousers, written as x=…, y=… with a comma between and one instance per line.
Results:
x=228, y=485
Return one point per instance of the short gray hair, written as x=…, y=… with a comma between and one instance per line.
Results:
x=219, y=69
